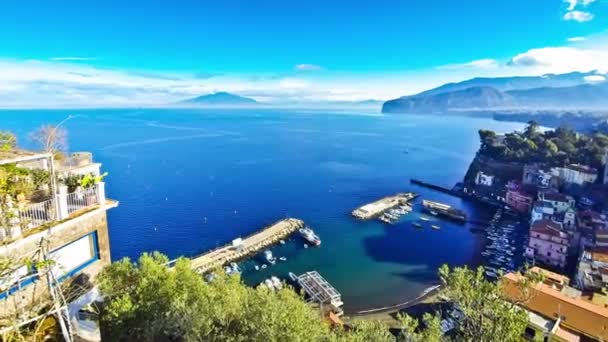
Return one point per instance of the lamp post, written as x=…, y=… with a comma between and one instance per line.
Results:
x=52, y=164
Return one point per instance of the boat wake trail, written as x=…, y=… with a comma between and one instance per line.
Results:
x=161, y=140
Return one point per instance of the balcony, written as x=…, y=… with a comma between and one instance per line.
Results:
x=26, y=219
x=28, y=202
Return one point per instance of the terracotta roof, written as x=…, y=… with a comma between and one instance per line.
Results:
x=555, y=277
x=577, y=314
x=600, y=254
x=548, y=227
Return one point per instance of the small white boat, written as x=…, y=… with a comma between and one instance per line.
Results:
x=264, y=266
x=282, y=242
x=257, y=268
x=434, y=213
x=435, y=227
x=293, y=277
x=305, y=245
x=283, y=258
x=269, y=257
x=424, y=218
x=276, y=282
x=269, y=284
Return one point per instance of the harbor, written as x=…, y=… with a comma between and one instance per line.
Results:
x=381, y=206
x=243, y=247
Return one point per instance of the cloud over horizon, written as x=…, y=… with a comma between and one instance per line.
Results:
x=79, y=83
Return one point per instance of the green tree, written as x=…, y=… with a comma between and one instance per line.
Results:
x=531, y=129
x=150, y=302
x=7, y=141
x=487, y=314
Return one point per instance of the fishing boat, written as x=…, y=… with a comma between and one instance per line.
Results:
x=276, y=282
x=310, y=236
x=435, y=227
x=444, y=210
x=269, y=257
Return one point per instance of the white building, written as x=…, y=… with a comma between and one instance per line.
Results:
x=576, y=174
x=560, y=202
x=484, y=179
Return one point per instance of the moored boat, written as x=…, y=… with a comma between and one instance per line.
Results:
x=435, y=227
x=444, y=210
x=269, y=257
x=310, y=236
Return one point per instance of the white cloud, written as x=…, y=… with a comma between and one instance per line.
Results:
x=576, y=39
x=308, y=67
x=71, y=59
x=580, y=16
x=595, y=78
x=485, y=63
x=572, y=4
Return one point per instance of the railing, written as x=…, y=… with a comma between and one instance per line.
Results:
x=38, y=214
x=81, y=199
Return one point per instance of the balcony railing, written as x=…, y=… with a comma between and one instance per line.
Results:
x=38, y=214
x=61, y=207
x=81, y=199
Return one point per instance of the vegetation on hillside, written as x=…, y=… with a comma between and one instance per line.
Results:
x=555, y=147
x=149, y=301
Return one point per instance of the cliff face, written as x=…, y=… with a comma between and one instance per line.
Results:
x=504, y=172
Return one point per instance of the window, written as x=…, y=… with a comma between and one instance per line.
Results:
x=73, y=257
x=529, y=333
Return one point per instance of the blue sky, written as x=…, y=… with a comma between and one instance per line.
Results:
x=126, y=51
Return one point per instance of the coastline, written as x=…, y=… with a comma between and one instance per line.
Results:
x=386, y=314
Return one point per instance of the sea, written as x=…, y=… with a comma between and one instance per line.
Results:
x=189, y=180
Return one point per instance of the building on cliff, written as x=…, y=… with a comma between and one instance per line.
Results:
x=548, y=243
x=556, y=311
x=54, y=233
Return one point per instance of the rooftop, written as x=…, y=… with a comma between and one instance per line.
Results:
x=549, y=301
x=548, y=227
x=18, y=155
x=582, y=168
x=555, y=197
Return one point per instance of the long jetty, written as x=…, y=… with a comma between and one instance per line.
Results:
x=436, y=187
x=247, y=246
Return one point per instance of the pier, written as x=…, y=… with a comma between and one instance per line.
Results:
x=436, y=187
x=378, y=207
x=240, y=248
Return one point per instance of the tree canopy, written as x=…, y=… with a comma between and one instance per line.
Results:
x=555, y=147
x=148, y=301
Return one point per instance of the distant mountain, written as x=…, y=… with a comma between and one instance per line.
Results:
x=516, y=82
x=451, y=97
x=220, y=99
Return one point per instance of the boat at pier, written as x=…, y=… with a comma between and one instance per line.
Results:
x=444, y=210
x=310, y=236
x=269, y=257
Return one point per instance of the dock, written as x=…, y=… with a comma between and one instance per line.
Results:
x=378, y=207
x=243, y=247
x=321, y=291
x=435, y=187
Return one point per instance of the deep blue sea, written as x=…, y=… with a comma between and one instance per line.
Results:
x=190, y=180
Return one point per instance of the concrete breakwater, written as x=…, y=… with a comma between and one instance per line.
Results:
x=241, y=248
x=378, y=207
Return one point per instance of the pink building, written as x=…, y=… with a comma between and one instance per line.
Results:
x=518, y=199
x=548, y=243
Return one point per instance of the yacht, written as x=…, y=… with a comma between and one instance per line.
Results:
x=310, y=236
x=269, y=257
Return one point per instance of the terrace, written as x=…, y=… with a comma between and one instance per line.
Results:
x=38, y=191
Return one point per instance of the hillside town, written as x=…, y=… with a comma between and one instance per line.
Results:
x=565, y=207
